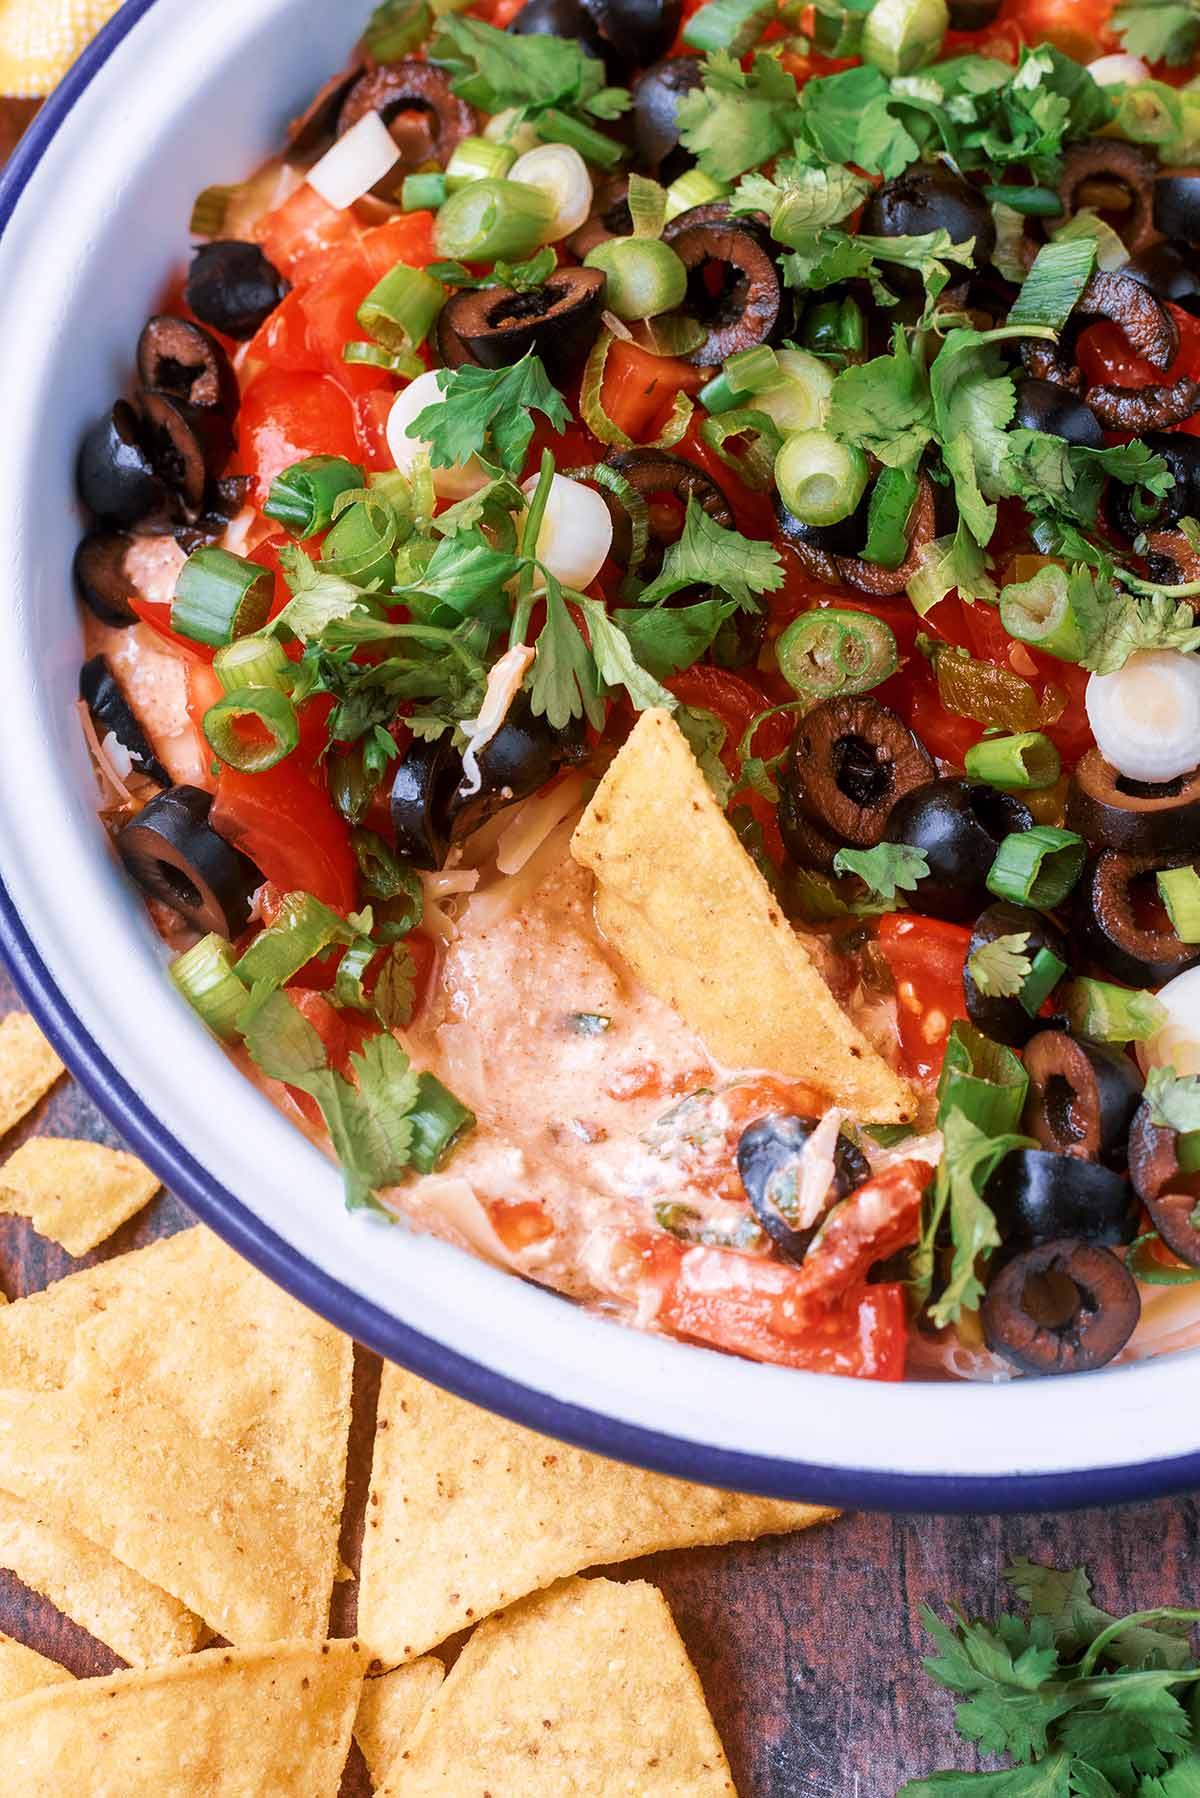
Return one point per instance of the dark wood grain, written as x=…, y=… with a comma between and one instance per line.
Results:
x=809, y=1647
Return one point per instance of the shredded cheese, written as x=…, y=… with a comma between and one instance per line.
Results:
x=504, y=683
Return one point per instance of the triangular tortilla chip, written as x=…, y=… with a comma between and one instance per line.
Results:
x=192, y=1419
x=585, y=1689
x=28, y=1068
x=231, y=1722
x=76, y=1193
x=24, y=1670
x=682, y=902
x=388, y=1712
x=138, y=1621
x=468, y=1512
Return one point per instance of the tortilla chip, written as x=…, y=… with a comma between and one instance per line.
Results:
x=23, y=1670
x=682, y=902
x=468, y=1512
x=190, y=1418
x=242, y=1723
x=388, y=1712
x=28, y=1068
x=585, y=1689
x=76, y=1193
x=138, y=1621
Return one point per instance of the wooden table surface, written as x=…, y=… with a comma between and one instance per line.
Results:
x=809, y=1647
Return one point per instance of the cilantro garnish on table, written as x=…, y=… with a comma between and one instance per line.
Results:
x=1080, y=1703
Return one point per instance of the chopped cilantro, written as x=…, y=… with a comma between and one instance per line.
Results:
x=969, y=1157
x=565, y=682
x=1159, y=30
x=1001, y=968
x=494, y=70
x=517, y=275
x=668, y=638
x=884, y=406
x=615, y=661
x=738, y=119
x=486, y=411
x=709, y=555
x=886, y=869
x=706, y=736
x=588, y=1023
x=799, y=199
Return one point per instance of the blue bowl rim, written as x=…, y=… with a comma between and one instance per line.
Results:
x=367, y=1323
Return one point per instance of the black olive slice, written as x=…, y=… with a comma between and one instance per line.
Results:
x=1170, y=271
x=232, y=287
x=1042, y=406
x=316, y=125
x=1082, y=1099
x=770, y=1157
x=851, y=760
x=657, y=474
x=1177, y=206
x=1181, y=453
x=1000, y=1016
x=816, y=545
x=558, y=18
x=1170, y=558
x=1144, y=409
x=734, y=285
x=176, y=357
x=610, y=217
x=115, y=474
x=1148, y=327
x=101, y=578
x=1120, y=164
x=188, y=448
x=804, y=841
x=640, y=30
x=923, y=527
x=422, y=791
x=656, y=96
x=959, y=824
x=1132, y=816
x=1169, y=1195
x=415, y=100
x=929, y=199
x=495, y=326
x=111, y=712
x=973, y=15
x=1142, y=954
x=176, y=856
x=1061, y=1307
x=1037, y=1196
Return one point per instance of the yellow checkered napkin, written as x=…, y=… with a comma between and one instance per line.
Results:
x=40, y=39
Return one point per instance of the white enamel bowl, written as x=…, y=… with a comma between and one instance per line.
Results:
x=94, y=210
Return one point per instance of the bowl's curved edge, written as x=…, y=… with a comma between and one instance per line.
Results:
x=374, y=1327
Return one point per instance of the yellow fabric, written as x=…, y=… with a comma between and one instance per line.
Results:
x=40, y=39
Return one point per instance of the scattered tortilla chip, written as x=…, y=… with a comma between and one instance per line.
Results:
x=28, y=1068
x=241, y=1723
x=190, y=1418
x=682, y=902
x=585, y=1689
x=76, y=1193
x=388, y=1712
x=468, y=1512
x=138, y=1621
x=24, y=1670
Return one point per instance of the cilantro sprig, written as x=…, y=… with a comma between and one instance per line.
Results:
x=488, y=411
x=538, y=73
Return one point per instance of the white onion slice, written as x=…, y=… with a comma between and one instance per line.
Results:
x=1146, y=717
x=356, y=162
x=1177, y=1044
x=503, y=685
x=1108, y=70
x=458, y=482
x=576, y=533
x=562, y=173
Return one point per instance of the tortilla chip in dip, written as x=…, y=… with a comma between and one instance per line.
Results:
x=28, y=1068
x=682, y=902
x=236, y=1723
x=24, y=1670
x=137, y=1620
x=585, y=1689
x=468, y=1512
x=76, y=1193
x=388, y=1711
x=190, y=1418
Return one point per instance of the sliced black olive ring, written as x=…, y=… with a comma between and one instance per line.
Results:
x=115, y=474
x=176, y=856
x=111, y=712
x=1169, y=1195
x=1038, y=1196
x=189, y=448
x=1140, y=953
x=770, y=1158
x=1000, y=1016
x=493, y=327
x=1170, y=271
x=1181, y=453
x=416, y=102
x=317, y=124
x=657, y=474
x=176, y=357
x=1149, y=329
x=744, y=309
x=232, y=287
x=851, y=760
x=1082, y=1098
x=1177, y=206
x=1138, y=819
x=656, y=96
x=101, y=576
x=826, y=552
x=640, y=31
x=1117, y=164
x=1061, y=1307
x=959, y=824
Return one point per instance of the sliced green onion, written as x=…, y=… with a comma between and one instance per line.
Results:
x=820, y=480
x=253, y=662
x=892, y=499
x=1111, y=253
x=204, y=975
x=361, y=545
x=833, y=651
x=730, y=25
x=492, y=220
x=209, y=211
x=798, y=398
x=220, y=596
x=400, y=309
x=1037, y=867
x=1027, y=760
x=632, y=502
x=902, y=35
x=396, y=28
x=1040, y=611
x=373, y=355
x=1187, y=1150
x=645, y=276
x=1031, y=202
x=302, y=497
x=423, y=193
x=1044, y=975
x=754, y=463
x=837, y=33
x=478, y=159
x=982, y=1079
x=302, y=928
x=746, y=372
x=1146, y=1267
x=1060, y=272
x=275, y=732
x=1179, y=890
x=694, y=188
x=647, y=202
x=606, y=429
x=438, y=1119
x=834, y=327
x=387, y=880
x=1112, y=1014
x=555, y=127
x=512, y=127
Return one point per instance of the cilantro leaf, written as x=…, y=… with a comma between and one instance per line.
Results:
x=565, y=683
x=1159, y=30
x=886, y=869
x=947, y=563
x=1001, y=968
x=395, y=988
x=1151, y=621
x=668, y=638
x=615, y=661
x=706, y=738
x=969, y=1157
x=467, y=576
x=1174, y=1099
x=517, y=275
x=487, y=410
x=847, y=118
x=1001, y=1671
x=800, y=200
x=1064, y=1598
x=737, y=119
x=318, y=600
x=497, y=69
x=973, y=400
x=707, y=554
x=884, y=406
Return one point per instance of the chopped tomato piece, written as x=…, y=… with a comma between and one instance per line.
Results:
x=373, y=410
x=1079, y=28
x=285, y=418
x=407, y=239
x=926, y=957
x=519, y=1224
x=639, y=389
x=299, y=234
x=343, y=1034
x=284, y=340
x=330, y=305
